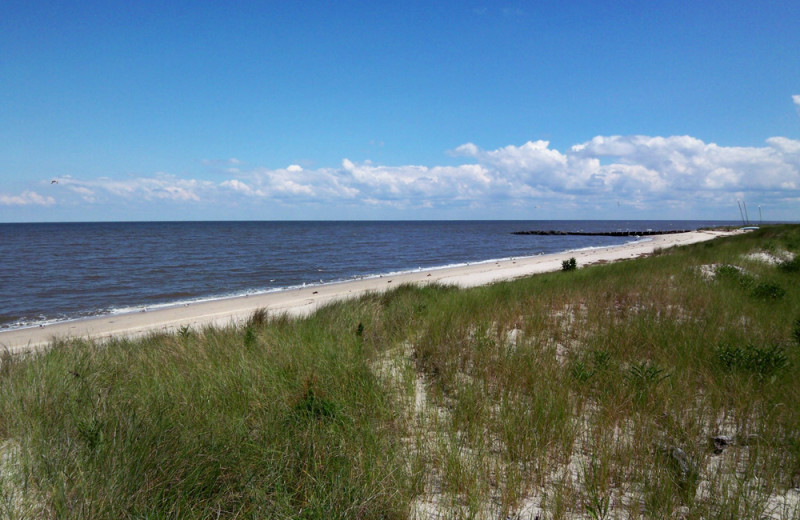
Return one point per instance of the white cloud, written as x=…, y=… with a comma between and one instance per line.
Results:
x=784, y=145
x=85, y=193
x=796, y=99
x=26, y=198
x=161, y=187
x=641, y=173
x=237, y=185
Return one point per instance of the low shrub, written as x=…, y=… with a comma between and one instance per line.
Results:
x=768, y=291
x=762, y=361
x=790, y=266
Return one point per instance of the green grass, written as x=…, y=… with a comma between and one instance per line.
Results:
x=589, y=394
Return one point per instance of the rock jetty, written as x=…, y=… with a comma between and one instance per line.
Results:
x=649, y=232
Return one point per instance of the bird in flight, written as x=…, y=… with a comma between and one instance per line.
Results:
x=54, y=181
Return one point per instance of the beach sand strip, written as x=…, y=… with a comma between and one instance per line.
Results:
x=303, y=301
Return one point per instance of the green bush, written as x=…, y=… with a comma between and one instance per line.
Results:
x=768, y=291
x=569, y=265
x=796, y=331
x=762, y=361
x=790, y=266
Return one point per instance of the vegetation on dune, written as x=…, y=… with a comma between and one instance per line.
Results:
x=662, y=387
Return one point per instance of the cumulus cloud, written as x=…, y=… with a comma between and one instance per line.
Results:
x=641, y=172
x=161, y=187
x=625, y=165
x=26, y=198
x=796, y=99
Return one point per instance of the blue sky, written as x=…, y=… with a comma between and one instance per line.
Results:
x=434, y=110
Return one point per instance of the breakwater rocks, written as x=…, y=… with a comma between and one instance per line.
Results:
x=602, y=233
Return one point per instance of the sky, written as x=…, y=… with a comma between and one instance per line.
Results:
x=122, y=111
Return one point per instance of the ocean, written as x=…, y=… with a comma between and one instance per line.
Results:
x=64, y=271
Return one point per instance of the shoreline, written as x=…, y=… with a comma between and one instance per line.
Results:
x=132, y=309
x=304, y=300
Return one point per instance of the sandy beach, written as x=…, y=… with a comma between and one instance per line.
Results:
x=298, y=302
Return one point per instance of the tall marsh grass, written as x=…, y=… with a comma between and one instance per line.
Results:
x=646, y=388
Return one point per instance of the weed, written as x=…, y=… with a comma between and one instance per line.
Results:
x=569, y=265
x=728, y=271
x=580, y=372
x=790, y=266
x=796, y=331
x=90, y=430
x=259, y=318
x=762, y=361
x=601, y=359
x=249, y=336
x=643, y=378
x=7, y=360
x=598, y=500
x=768, y=291
x=313, y=405
x=185, y=331
x=735, y=274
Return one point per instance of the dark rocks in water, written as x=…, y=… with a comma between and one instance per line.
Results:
x=601, y=233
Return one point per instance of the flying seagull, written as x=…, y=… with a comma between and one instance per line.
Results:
x=54, y=181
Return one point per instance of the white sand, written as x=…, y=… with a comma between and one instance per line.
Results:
x=303, y=301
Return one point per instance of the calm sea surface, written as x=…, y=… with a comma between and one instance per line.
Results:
x=52, y=272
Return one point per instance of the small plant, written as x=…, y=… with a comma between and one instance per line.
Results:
x=644, y=377
x=90, y=430
x=312, y=404
x=185, y=331
x=249, y=336
x=790, y=266
x=734, y=274
x=360, y=329
x=601, y=360
x=769, y=291
x=598, y=501
x=762, y=361
x=728, y=271
x=569, y=265
x=259, y=318
x=580, y=372
x=796, y=331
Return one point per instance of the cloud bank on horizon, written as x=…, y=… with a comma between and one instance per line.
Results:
x=672, y=177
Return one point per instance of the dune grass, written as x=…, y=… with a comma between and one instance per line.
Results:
x=663, y=387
